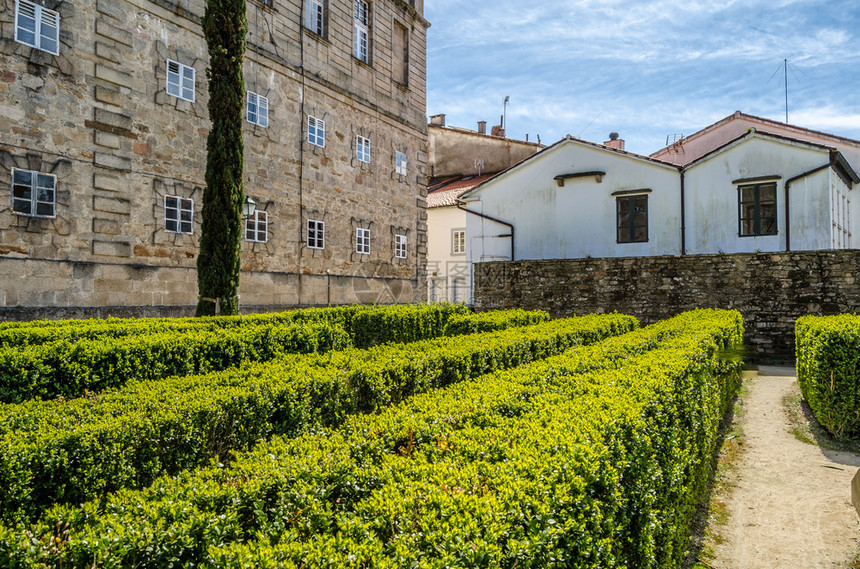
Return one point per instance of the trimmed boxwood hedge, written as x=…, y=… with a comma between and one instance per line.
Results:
x=827, y=349
x=96, y=355
x=71, y=451
x=488, y=321
x=561, y=463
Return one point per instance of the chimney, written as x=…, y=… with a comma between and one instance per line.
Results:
x=438, y=120
x=482, y=127
x=498, y=131
x=614, y=141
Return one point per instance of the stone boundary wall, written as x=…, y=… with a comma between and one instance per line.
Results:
x=33, y=289
x=771, y=290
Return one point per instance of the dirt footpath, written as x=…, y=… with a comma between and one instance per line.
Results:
x=791, y=507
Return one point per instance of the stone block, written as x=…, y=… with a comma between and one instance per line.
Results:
x=106, y=226
x=107, y=139
x=107, y=52
x=111, y=205
x=114, y=33
x=111, y=9
x=112, y=119
x=102, y=181
x=111, y=248
x=114, y=161
x=112, y=75
x=109, y=96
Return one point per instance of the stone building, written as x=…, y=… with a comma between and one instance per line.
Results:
x=103, y=125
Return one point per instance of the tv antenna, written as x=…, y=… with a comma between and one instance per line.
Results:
x=785, y=68
x=479, y=164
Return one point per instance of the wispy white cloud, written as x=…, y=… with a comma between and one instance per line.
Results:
x=600, y=65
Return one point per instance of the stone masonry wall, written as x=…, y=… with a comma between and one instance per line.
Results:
x=99, y=118
x=771, y=290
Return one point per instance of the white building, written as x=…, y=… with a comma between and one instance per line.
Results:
x=757, y=192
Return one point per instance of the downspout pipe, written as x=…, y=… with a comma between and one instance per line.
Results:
x=683, y=218
x=788, y=182
x=461, y=207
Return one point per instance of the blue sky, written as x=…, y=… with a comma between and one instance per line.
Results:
x=645, y=69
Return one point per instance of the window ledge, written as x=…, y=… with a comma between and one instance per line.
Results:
x=598, y=177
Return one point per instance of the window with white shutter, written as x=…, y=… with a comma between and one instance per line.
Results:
x=37, y=26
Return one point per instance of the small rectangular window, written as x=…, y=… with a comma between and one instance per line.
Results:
x=258, y=109
x=400, y=163
x=757, y=209
x=257, y=227
x=180, y=80
x=400, y=54
x=316, y=131
x=362, y=241
x=362, y=148
x=178, y=214
x=33, y=193
x=316, y=234
x=458, y=242
x=315, y=17
x=361, y=48
x=400, y=246
x=37, y=26
x=632, y=219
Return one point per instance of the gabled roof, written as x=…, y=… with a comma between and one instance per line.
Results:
x=447, y=191
x=572, y=140
x=836, y=157
x=801, y=132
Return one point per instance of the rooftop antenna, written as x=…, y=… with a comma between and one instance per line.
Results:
x=785, y=72
x=479, y=163
x=505, y=112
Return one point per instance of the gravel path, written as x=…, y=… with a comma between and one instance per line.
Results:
x=791, y=507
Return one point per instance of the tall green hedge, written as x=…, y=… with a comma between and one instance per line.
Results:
x=828, y=370
x=72, y=451
x=577, y=461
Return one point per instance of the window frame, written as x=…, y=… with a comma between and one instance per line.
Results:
x=757, y=206
x=401, y=163
x=258, y=219
x=461, y=250
x=261, y=104
x=318, y=228
x=361, y=26
x=39, y=18
x=315, y=19
x=179, y=209
x=632, y=226
x=362, y=148
x=35, y=193
x=400, y=246
x=362, y=241
x=317, y=139
x=180, y=85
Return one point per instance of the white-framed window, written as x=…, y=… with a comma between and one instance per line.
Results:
x=458, y=242
x=37, y=26
x=178, y=214
x=316, y=131
x=34, y=193
x=315, y=17
x=362, y=241
x=257, y=227
x=258, y=109
x=362, y=31
x=180, y=80
x=362, y=148
x=400, y=163
x=316, y=234
x=400, y=246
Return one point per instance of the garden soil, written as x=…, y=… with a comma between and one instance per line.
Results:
x=791, y=505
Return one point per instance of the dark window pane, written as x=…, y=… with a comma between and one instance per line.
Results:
x=45, y=209
x=21, y=206
x=748, y=227
x=624, y=234
x=768, y=226
x=768, y=193
x=641, y=234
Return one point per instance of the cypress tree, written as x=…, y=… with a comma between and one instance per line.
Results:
x=225, y=25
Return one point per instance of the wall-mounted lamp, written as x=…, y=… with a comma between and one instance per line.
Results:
x=249, y=207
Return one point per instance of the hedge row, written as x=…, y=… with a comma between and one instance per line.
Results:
x=72, y=451
x=65, y=369
x=494, y=320
x=555, y=464
x=93, y=362
x=430, y=318
x=827, y=349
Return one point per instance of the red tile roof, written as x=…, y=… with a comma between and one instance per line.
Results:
x=448, y=190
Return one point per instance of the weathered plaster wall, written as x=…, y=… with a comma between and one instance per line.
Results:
x=771, y=290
